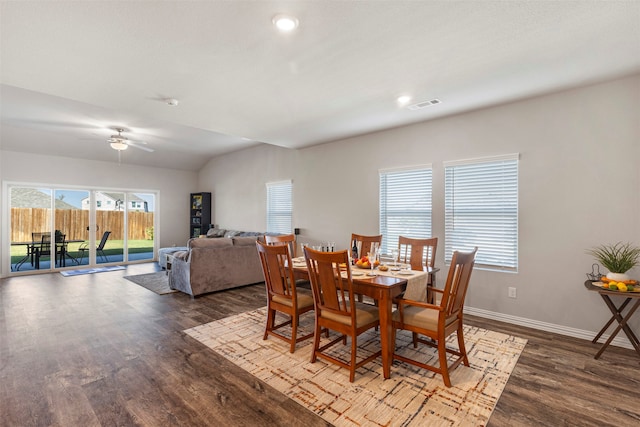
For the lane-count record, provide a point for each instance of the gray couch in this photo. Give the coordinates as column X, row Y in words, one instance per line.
column 214, row 264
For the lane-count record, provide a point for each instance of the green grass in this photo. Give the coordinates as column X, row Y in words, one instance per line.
column 113, row 247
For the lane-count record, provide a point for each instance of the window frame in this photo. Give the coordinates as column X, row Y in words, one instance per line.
column 389, row 233
column 482, row 217
column 273, row 189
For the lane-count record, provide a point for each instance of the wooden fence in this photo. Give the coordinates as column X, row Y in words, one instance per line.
column 74, row 222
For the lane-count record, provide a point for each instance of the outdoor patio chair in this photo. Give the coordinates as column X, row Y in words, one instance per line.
column 84, row 247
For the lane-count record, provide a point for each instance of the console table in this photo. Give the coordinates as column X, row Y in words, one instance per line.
column 617, row 315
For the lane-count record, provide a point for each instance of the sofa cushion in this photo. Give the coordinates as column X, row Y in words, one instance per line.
column 209, row 243
column 244, row 241
column 216, row 232
column 231, row 233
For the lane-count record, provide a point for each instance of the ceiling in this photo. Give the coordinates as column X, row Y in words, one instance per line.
column 72, row 72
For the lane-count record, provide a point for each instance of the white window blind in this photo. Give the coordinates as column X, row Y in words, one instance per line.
column 279, row 207
column 481, row 209
column 405, row 205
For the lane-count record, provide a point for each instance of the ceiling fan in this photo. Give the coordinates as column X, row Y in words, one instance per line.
column 119, row 142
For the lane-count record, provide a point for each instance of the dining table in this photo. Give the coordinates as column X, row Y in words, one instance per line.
column 383, row 287
column 61, row 252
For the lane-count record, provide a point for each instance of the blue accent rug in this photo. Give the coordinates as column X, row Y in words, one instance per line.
column 91, row 270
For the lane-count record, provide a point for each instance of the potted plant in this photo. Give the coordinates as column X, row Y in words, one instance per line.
column 618, row 259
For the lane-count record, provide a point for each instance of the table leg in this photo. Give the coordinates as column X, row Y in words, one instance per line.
column 384, row 308
column 622, row 323
column 431, row 281
column 609, row 303
column 22, row 261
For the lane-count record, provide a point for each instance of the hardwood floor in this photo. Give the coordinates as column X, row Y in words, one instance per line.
column 99, row 350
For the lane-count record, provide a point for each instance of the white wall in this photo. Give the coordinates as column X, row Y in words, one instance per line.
column 579, row 185
column 237, row 184
column 173, row 186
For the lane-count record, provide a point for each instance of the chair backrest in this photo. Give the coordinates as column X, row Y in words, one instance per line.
column 103, row 241
column 285, row 239
column 418, row 253
column 332, row 293
column 42, row 242
column 455, row 289
column 277, row 268
column 364, row 243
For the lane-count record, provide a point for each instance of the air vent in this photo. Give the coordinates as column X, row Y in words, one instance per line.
column 424, row 104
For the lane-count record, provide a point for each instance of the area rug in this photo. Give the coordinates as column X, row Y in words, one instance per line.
column 157, row 282
column 91, row 270
column 411, row 397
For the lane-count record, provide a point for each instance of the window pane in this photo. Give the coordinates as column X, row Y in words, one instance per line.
column 405, row 205
column 481, row 209
column 279, row 207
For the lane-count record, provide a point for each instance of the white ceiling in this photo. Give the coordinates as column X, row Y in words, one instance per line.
column 72, row 71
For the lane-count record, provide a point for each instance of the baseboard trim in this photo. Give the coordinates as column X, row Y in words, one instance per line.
column 619, row 341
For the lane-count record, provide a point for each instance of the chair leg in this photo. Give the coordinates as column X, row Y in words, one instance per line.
column 271, row 317
column 316, row 342
column 461, row 347
column 415, row 340
column 294, row 332
column 442, row 357
column 354, row 348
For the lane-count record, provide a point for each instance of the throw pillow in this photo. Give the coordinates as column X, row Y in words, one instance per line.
column 216, row 232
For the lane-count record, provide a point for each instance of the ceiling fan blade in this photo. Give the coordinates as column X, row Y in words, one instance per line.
column 141, row 147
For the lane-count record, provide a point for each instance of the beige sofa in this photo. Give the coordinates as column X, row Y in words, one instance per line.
column 216, row 264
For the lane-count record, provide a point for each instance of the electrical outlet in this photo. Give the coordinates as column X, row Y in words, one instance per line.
column 512, row 292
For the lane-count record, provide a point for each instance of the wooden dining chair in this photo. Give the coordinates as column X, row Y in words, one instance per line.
column 364, row 242
column 336, row 309
column 288, row 239
column 418, row 253
column 364, row 246
column 282, row 293
column 439, row 321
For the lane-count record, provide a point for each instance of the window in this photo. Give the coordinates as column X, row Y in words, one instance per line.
column 405, row 205
column 481, row 209
column 279, row 207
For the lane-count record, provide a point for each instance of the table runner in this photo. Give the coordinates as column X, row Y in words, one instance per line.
column 416, row 282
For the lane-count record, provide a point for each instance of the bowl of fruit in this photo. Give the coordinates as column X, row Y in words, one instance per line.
column 365, row 264
column 621, row 286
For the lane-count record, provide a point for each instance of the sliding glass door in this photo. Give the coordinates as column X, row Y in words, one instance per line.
column 58, row 228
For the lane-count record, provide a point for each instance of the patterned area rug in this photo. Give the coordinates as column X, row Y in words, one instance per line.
column 157, row 282
column 411, row 397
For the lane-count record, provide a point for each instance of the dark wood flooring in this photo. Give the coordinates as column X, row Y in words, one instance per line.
column 98, row 350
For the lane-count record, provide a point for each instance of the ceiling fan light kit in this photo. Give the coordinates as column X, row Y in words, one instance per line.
column 118, row 142
column 119, row 145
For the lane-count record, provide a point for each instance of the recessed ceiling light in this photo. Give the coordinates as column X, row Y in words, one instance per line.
column 404, row 99
column 285, row 23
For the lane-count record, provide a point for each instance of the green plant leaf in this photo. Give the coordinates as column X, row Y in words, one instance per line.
column 618, row 258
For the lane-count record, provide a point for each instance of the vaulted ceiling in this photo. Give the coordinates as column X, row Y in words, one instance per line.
column 72, row 72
